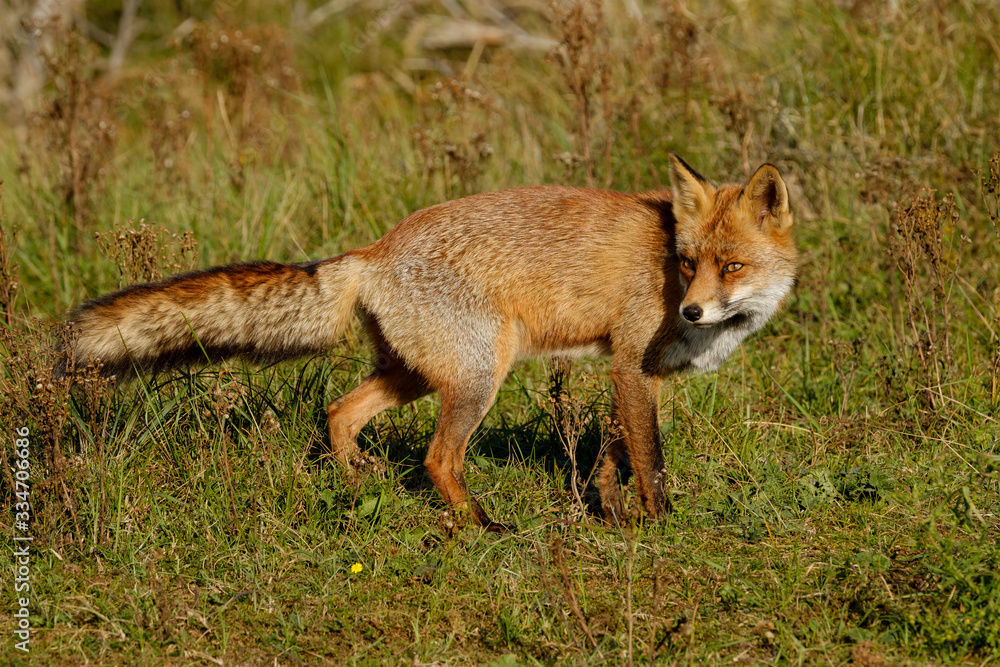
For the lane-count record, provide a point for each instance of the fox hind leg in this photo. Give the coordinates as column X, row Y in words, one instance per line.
column 391, row 385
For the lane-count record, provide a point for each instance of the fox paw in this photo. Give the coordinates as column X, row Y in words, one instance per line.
column 452, row 522
column 361, row 466
column 365, row 462
column 458, row 517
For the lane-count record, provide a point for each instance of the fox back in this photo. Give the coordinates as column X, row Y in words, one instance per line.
column 567, row 271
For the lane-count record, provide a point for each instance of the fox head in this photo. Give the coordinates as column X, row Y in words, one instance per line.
column 734, row 247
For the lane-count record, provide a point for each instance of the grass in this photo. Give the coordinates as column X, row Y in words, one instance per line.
column 836, row 484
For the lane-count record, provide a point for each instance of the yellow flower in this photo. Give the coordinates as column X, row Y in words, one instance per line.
column 357, row 567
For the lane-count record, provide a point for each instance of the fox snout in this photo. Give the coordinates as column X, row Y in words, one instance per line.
column 692, row 313
column 703, row 314
column 706, row 300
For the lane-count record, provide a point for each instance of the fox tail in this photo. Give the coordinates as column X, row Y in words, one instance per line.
column 260, row 311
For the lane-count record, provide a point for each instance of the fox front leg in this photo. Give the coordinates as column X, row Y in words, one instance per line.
column 462, row 410
column 634, row 412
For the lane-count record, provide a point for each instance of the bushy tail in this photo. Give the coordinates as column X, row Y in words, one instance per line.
column 260, row 311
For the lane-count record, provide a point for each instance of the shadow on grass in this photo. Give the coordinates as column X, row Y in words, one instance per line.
column 400, row 440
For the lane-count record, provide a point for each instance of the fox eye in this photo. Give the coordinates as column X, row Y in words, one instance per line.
column 732, row 267
column 687, row 264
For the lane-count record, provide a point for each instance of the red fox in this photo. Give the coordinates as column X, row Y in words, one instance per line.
column 457, row 293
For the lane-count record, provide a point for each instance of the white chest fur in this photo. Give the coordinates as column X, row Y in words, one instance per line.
column 703, row 350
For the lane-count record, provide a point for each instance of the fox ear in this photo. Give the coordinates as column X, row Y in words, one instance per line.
column 692, row 191
column 767, row 197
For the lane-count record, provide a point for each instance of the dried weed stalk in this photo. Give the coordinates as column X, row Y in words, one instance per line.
column 33, row 395
column 246, row 73
column 846, row 358
column 227, row 392
column 584, row 58
column 665, row 53
column 569, row 589
column 169, row 122
column 566, row 421
column 749, row 111
column 916, row 248
column 886, row 179
column 656, row 606
column 989, row 192
column 681, row 47
column 142, row 254
column 9, row 283
column 572, row 419
column 452, row 141
column 77, row 123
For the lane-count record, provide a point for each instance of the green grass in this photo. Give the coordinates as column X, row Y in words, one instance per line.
column 835, row 499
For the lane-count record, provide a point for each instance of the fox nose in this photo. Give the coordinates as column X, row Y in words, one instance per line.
column 692, row 313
